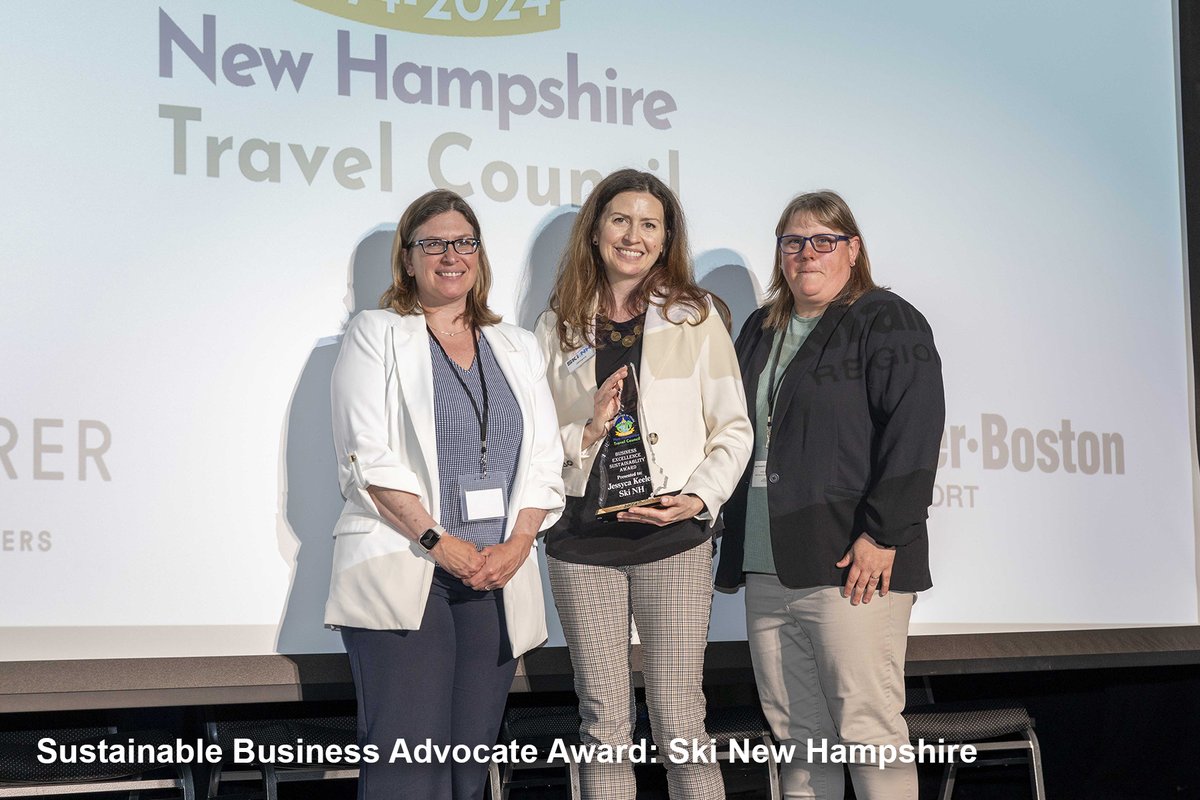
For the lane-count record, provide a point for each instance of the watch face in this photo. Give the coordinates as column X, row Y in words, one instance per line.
column 429, row 539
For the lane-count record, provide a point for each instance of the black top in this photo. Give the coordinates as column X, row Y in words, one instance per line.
column 579, row 537
column 854, row 444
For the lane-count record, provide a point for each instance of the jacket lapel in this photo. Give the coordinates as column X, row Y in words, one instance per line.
column 752, row 367
column 505, row 351
column 807, row 357
column 414, row 372
column 585, row 374
column 659, row 342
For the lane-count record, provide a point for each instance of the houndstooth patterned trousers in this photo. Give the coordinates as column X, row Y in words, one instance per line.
column 670, row 600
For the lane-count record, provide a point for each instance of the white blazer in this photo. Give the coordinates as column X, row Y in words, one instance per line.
column 383, row 431
column 692, row 405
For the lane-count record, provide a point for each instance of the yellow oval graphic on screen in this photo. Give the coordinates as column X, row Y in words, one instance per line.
column 448, row 17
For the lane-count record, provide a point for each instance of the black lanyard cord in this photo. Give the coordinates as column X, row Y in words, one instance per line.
column 772, row 387
column 482, row 419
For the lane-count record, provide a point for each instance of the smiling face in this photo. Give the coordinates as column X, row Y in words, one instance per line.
column 816, row 278
column 630, row 236
column 446, row 279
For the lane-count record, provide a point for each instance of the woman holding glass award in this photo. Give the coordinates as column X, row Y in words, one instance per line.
column 654, row 428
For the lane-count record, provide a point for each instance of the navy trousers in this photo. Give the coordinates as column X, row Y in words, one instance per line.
column 445, row 683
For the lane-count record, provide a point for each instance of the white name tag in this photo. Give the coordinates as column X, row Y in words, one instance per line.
column 482, row 496
column 580, row 357
column 758, row 476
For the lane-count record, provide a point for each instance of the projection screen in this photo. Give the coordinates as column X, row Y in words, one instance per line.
column 198, row 195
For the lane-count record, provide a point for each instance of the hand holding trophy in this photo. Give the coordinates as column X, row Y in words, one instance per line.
column 605, row 405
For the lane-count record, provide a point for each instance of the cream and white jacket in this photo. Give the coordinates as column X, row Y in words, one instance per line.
column 691, row 406
column 383, row 430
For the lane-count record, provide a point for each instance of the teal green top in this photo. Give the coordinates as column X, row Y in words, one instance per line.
column 757, row 556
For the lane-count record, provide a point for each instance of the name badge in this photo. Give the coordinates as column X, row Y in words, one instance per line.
column 580, row 357
column 482, row 497
column 758, row 476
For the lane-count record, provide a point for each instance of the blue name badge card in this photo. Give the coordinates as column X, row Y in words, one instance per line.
column 482, row 496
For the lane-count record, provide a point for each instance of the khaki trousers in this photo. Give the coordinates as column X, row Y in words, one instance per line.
column 831, row 673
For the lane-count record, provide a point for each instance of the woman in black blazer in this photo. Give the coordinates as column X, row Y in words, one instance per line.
column 827, row 527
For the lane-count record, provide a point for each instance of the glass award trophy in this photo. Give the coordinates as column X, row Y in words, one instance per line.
column 627, row 465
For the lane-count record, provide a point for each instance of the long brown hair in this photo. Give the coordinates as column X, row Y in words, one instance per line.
column 829, row 209
column 580, row 287
column 401, row 297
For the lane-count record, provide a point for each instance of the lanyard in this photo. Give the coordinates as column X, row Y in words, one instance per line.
column 482, row 419
column 772, row 387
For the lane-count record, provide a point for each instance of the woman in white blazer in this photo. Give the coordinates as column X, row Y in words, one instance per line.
column 450, row 464
column 625, row 294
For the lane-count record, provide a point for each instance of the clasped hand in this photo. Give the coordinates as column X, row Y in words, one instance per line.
column 482, row 570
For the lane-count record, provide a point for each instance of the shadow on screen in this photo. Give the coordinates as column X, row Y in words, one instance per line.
column 725, row 274
column 311, row 498
column 537, row 281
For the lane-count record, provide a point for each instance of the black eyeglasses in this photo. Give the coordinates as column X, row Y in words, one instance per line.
column 822, row 243
column 435, row 247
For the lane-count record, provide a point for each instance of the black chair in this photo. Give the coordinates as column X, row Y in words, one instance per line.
column 746, row 724
column 990, row 727
column 22, row 774
column 263, row 778
column 542, row 727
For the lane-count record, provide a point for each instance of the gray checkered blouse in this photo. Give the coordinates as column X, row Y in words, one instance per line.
column 457, row 430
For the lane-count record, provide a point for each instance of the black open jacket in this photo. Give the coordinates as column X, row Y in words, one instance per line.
column 854, row 446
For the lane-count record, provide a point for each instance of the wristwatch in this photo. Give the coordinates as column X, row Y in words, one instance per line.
column 429, row 539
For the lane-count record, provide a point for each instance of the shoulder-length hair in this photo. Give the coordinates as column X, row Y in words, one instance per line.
column 580, row 287
column 401, row 297
column 829, row 209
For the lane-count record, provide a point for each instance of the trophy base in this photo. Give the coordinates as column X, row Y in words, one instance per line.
column 609, row 513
